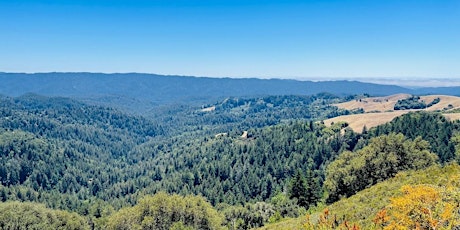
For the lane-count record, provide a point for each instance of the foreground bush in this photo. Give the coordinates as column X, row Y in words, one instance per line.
column 17, row 215
column 382, row 159
column 164, row 212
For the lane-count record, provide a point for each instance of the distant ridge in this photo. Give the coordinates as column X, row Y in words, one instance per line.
column 161, row 89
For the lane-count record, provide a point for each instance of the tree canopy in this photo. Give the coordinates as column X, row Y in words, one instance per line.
column 383, row 158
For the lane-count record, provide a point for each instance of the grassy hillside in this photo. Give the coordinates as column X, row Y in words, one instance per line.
column 387, row 103
column 380, row 110
column 370, row 104
column 363, row 207
column 358, row 121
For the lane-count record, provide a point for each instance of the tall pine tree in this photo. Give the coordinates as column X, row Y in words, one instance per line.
column 299, row 190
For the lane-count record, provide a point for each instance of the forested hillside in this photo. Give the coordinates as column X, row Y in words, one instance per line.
column 240, row 162
column 59, row 146
column 243, row 113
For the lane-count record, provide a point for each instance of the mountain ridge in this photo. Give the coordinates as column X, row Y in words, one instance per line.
column 173, row 88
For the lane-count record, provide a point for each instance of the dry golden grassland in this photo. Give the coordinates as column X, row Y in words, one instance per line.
column 379, row 110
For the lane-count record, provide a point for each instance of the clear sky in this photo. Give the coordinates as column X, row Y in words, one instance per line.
column 241, row 38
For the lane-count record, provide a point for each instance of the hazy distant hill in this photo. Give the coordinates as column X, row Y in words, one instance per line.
column 454, row 91
column 164, row 89
column 140, row 91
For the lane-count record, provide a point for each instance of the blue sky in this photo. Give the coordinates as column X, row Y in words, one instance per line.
column 283, row 39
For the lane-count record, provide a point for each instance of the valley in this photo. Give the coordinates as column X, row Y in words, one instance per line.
column 227, row 162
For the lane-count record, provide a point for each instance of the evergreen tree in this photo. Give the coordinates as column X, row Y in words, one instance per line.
column 314, row 190
column 299, row 190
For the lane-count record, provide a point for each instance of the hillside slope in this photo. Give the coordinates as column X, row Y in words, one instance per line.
column 363, row 207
